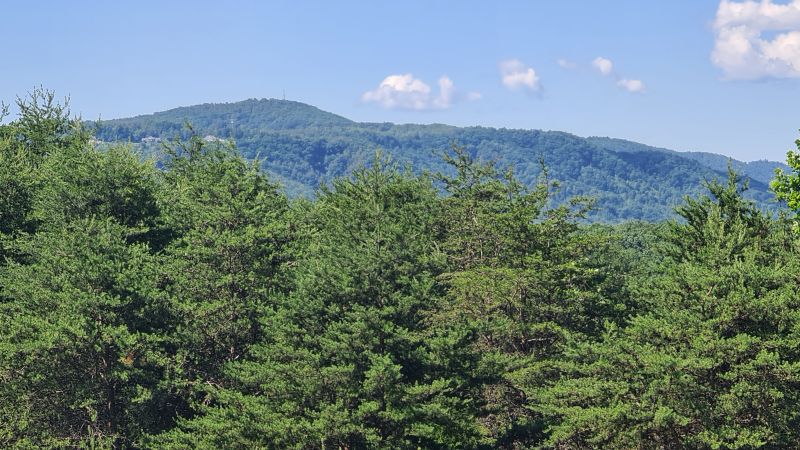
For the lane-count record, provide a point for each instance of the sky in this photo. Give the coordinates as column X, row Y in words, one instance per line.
column 699, row 75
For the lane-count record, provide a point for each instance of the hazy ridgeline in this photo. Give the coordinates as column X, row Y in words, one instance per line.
column 185, row 301
column 301, row 146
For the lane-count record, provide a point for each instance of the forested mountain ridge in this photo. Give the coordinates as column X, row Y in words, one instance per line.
column 762, row 170
column 303, row 147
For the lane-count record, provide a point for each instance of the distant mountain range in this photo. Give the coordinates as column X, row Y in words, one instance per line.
column 303, row 146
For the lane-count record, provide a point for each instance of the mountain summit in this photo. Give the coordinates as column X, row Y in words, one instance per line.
column 271, row 114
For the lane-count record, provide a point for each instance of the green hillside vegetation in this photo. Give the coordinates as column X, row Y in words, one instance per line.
column 188, row 302
column 303, row 147
column 762, row 170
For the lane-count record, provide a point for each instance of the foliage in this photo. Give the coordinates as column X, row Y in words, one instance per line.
column 347, row 360
column 787, row 185
column 521, row 280
column 223, row 263
column 80, row 358
column 713, row 362
column 181, row 300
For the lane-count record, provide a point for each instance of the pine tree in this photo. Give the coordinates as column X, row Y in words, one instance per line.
column 713, row 364
column 347, row 360
column 80, row 321
column 43, row 128
column 80, row 357
column 521, row 279
column 221, row 264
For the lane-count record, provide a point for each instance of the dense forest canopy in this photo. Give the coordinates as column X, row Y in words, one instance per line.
column 302, row 146
column 187, row 302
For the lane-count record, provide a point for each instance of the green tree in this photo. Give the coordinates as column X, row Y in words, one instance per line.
column 223, row 263
column 787, row 185
column 81, row 321
column 17, row 185
column 521, row 280
column 80, row 336
column 713, row 363
column 347, row 360
column 42, row 128
column 44, row 125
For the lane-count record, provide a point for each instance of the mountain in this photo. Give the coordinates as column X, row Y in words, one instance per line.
column 227, row 118
column 303, row 146
column 761, row 170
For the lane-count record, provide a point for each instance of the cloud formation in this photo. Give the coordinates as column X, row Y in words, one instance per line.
column 603, row 65
column 566, row 64
column 756, row 40
column 472, row 96
column 631, row 85
column 406, row 92
column 606, row 68
column 516, row 75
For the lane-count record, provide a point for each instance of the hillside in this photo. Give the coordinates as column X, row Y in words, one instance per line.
column 303, row 146
column 761, row 170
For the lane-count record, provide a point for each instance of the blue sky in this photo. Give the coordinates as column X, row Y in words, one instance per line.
column 684, row 74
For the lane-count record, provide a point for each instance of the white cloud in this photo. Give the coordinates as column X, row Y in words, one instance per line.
column 606, row 67
column 447, row 91
column 756, row 40
column 516, row 75
column 406, row 92
column 631, row 85
column 566, row 64
column 472, row 96
column 603, row 65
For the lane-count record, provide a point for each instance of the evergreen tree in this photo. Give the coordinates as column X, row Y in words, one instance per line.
column 80, row 352
column 713, row 364
column 80, row 334
column 222, row 263
column 347, row 360
column 521, row 281
column 43, row 128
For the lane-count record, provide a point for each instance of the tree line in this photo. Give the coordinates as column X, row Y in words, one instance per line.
column 188, row 303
